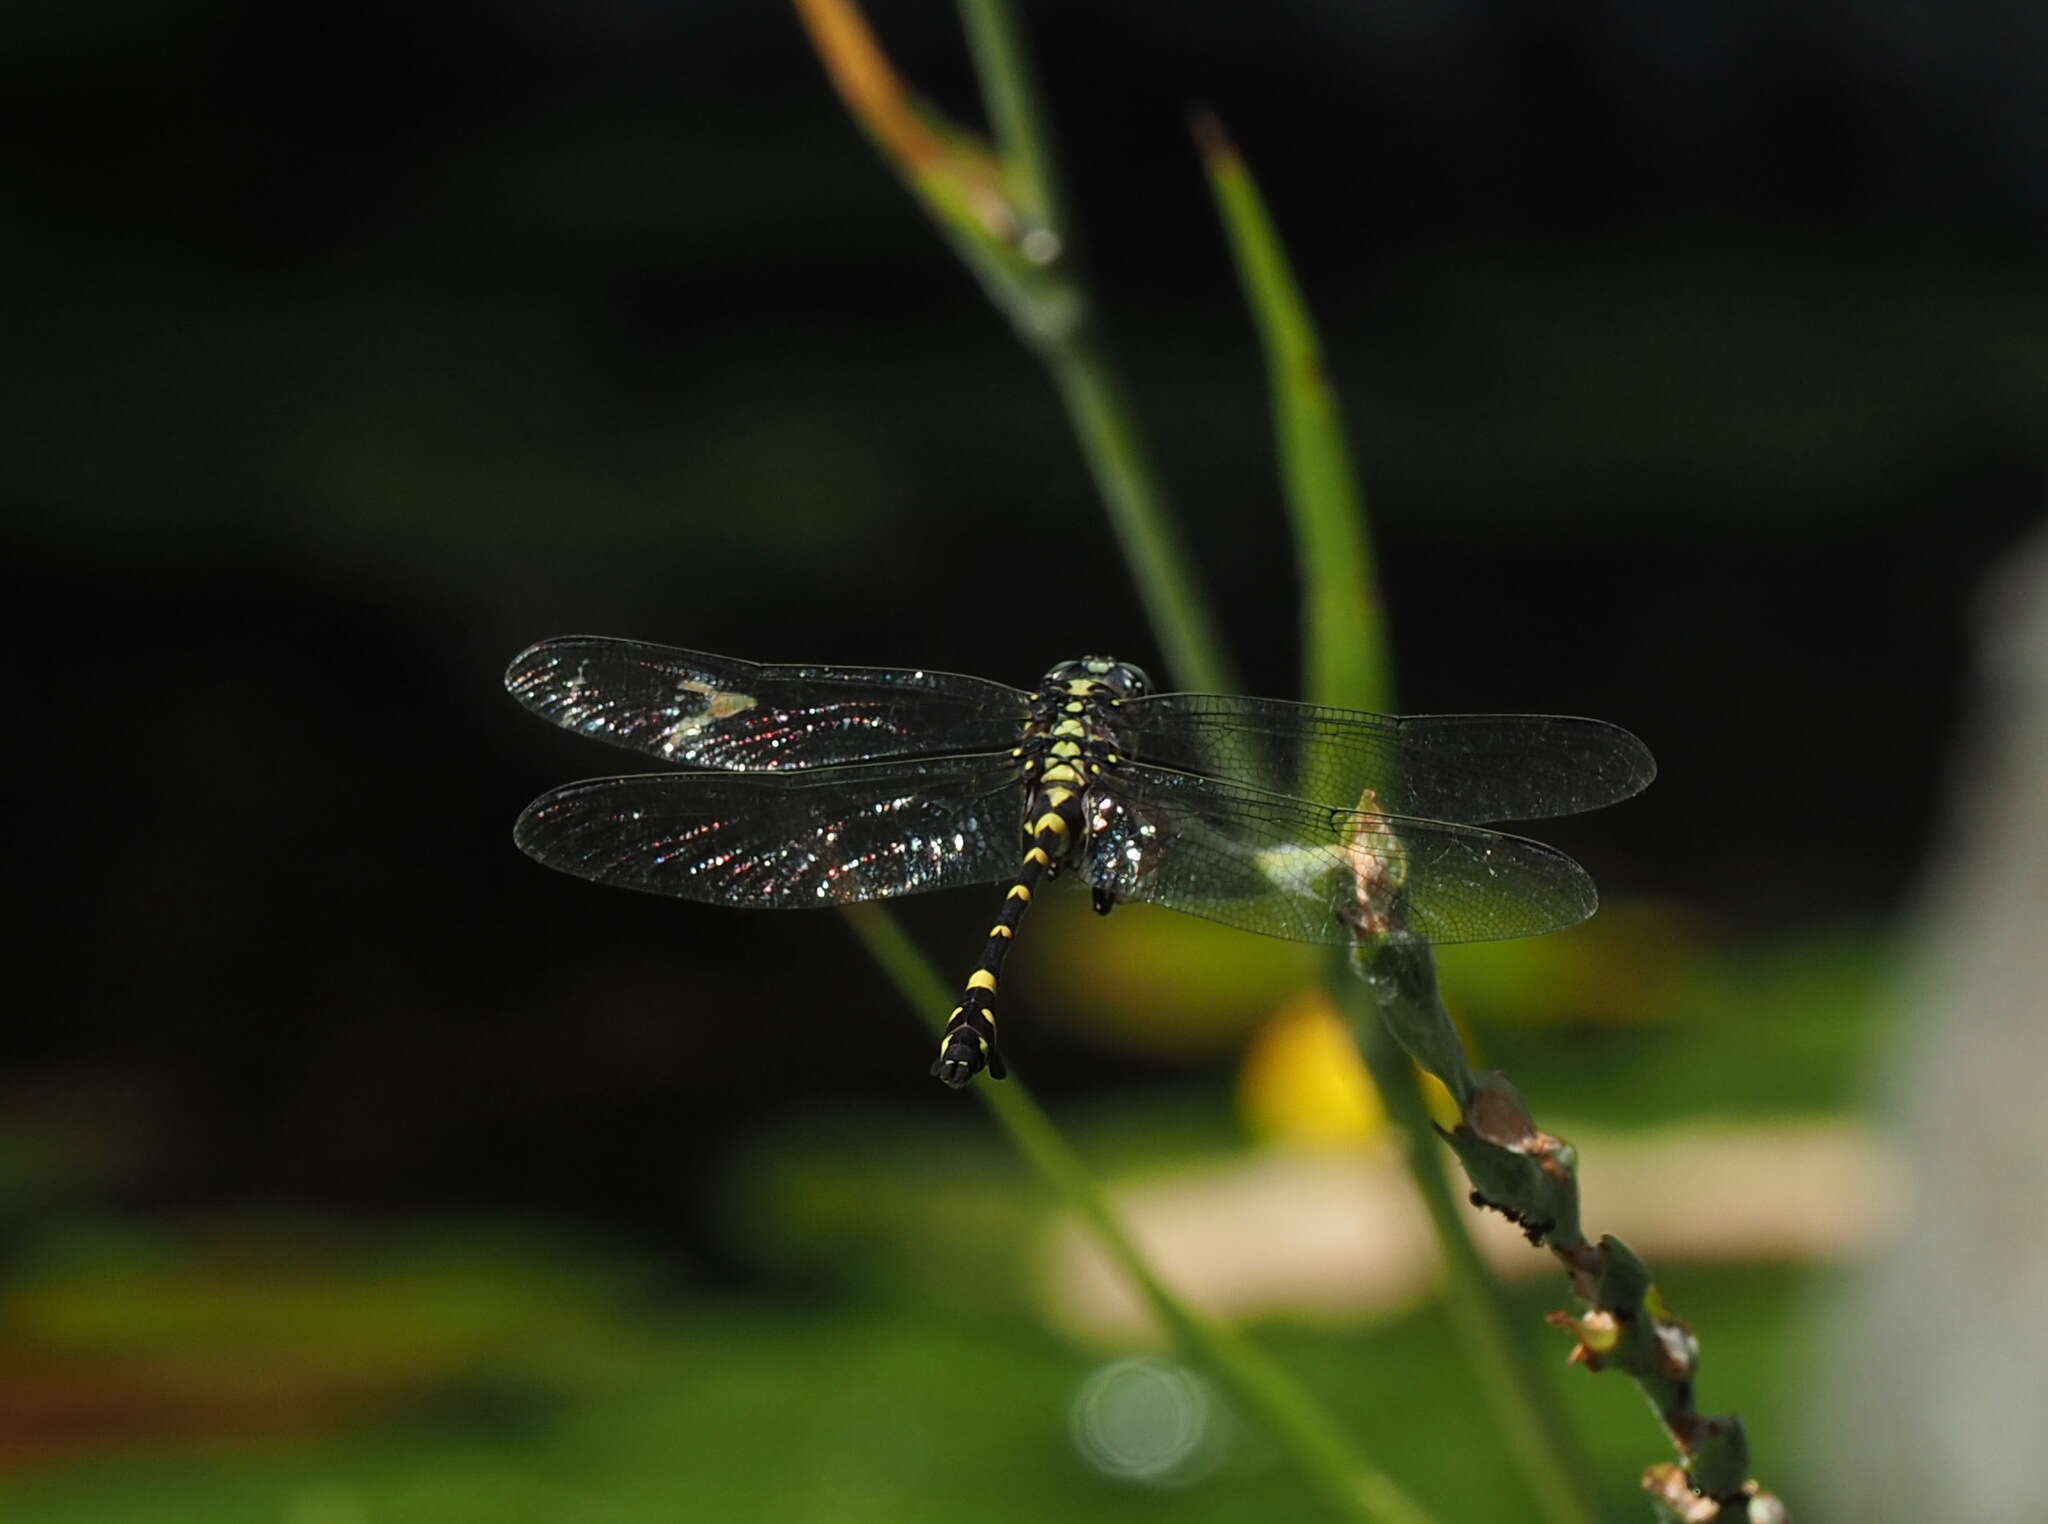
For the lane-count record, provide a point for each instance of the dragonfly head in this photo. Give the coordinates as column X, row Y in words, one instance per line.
column 1099, row 674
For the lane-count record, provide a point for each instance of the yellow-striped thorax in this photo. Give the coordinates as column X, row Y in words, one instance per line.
column 1069, row 740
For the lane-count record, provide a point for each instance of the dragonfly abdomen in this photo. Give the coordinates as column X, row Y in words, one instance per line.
column 1054, row 816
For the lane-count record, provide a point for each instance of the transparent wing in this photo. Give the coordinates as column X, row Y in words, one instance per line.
column 699, row 710
column 787, row 841
column 1290, row 868
column 1464, row 767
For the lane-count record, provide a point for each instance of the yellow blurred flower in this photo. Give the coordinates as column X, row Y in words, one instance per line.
column 1303, row 1084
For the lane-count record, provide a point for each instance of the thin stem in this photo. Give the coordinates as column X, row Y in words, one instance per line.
column 1031, row 279
column 1097, row 401
column 1344, row 627
column 1293, row 1417
column 1346, row 658
column 1545, row 1451
column 1022, row 142
column 1347, row 662
column 1117, row 458
column 1020, row 252
column 1531, row 1177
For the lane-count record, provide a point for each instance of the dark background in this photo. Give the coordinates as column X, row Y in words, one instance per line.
column 1696, row 357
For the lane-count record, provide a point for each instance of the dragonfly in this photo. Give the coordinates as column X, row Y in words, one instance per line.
column 805, row 786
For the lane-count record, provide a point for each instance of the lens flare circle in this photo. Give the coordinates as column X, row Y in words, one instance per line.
column 1149, row 1421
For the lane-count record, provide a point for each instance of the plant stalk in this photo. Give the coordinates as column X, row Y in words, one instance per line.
column 1347, row 662
column 1503, row 1367
column 1253, row 1379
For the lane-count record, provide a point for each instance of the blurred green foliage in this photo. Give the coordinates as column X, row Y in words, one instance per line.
column 889, row 1363
column 872, row 1410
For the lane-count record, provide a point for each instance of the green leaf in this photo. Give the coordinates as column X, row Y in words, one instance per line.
column 1347, row 662
column 1345, row 656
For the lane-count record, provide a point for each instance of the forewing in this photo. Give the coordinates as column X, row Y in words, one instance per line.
column 699, row 710
column 1461, row 767
column 1289, row 868
column 787, row 841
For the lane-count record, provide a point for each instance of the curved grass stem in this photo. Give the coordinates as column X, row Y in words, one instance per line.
column 1019, row 248
column 1259, row 1385
column 1022, row 141
column 999, row 207
column 1346, row 661
column 1122, row 468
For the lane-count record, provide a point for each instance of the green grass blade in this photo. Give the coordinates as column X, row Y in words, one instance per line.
column 1346, row 658
column 1120, row 462
column 1022, row 142
column 1018, row 251
column 1347, row 662
column 999, row 207
column 1260, row 1386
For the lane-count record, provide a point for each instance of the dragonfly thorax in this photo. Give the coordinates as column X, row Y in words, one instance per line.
column 1069, row 746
